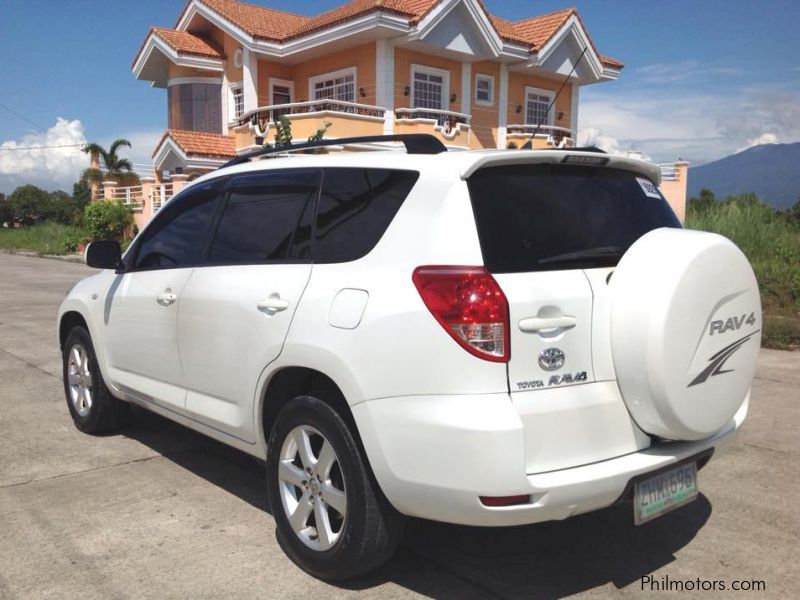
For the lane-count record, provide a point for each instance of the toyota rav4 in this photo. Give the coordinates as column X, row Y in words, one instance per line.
column 488, row 338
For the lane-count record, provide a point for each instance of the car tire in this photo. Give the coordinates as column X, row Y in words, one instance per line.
column 94, row 410
column 348, row 544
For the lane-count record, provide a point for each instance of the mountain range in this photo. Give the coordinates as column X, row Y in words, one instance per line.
column 771, row 171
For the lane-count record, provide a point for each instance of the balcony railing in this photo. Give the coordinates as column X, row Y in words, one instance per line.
column 160, row 194
column 669, row 172
column 558, row 137
column 132, row 196
column 264, row 115
column 443, row 118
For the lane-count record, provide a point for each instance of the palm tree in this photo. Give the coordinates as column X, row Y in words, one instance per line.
column 117, row 169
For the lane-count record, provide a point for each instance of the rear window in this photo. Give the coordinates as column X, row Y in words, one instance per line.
column 553, row 217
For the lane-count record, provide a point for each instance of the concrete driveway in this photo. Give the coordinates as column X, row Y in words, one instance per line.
column 161, row 512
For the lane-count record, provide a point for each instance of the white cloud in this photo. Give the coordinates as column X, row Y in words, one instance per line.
column 595, row 137
column 21, row 161
column 764, row 138
column 698, row 124
column 59, row 168
column 677, row 72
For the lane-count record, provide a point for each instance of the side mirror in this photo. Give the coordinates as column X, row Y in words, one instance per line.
column 103, row 255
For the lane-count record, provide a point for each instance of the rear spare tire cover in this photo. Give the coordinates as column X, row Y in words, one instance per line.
column 685, row 331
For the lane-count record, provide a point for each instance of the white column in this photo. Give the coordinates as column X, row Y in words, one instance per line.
column 384, row 82
column 466, row 86
column 573, row 111
column 249, row 80
column 502, row 106
column 226, row 91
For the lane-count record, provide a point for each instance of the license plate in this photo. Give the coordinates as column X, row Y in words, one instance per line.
column 657, row 495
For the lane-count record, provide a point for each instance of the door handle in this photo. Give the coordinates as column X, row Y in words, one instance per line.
column 166, row 298
column 535, row 324
column 272, row 304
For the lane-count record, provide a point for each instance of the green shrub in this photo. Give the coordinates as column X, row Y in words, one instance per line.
column 107, row 220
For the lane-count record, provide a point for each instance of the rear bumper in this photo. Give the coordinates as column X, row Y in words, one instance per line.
column 434, row 456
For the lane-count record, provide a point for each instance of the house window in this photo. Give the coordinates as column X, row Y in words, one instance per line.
column 429, row 89
column 237, row 97
column 537, row 103
column 340, row 85
column 194, row 106
column 484, row 89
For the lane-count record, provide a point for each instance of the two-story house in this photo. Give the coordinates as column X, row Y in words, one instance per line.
column 445, row 67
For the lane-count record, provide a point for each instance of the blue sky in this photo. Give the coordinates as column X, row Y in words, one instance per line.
column 703, row 79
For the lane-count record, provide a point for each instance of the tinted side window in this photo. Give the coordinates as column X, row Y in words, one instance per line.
column 355, row 209
column 266, row 218
column 176, row 237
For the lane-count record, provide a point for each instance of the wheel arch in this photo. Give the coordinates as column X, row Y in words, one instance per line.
column 70, row 319
column 292, row 381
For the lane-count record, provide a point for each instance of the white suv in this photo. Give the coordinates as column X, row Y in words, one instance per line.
column 487, row 338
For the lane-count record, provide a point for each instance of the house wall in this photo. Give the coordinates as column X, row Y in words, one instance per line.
column 361, row 57
column 485, row 118
column 267, row 69
column 675, row 191
column 229, row 47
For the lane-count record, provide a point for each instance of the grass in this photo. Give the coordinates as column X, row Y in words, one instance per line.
column 771, row 242
column 48, row 238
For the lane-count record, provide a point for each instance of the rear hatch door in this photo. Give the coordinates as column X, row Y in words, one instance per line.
column 551, row 234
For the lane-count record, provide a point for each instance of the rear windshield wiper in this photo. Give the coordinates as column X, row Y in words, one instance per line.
column 601, row 252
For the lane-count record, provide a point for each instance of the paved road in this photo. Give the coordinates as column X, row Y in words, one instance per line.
column 161, row 512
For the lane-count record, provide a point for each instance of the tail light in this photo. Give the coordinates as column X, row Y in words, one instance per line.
column 469, row 304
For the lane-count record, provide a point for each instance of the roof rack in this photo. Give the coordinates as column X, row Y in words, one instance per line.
column 415, row 143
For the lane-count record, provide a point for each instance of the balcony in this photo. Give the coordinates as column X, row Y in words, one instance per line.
column 547, row 136
column 452, row 128
column 350, row 119
column 346, row 119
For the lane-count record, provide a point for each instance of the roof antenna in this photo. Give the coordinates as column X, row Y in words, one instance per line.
column 529, row 144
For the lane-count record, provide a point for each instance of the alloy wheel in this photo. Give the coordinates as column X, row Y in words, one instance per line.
column 79, row 378
column 312, row 488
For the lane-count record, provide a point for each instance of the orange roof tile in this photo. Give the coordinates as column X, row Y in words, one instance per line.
column 414, row 9
column 538, row 30
column 507, row 30
column 276, row 25
column 258, row 21
column 198, row 143
column 611, row 62
column 187, row 43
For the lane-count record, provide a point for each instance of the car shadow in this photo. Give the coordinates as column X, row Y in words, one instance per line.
column 546, row 560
